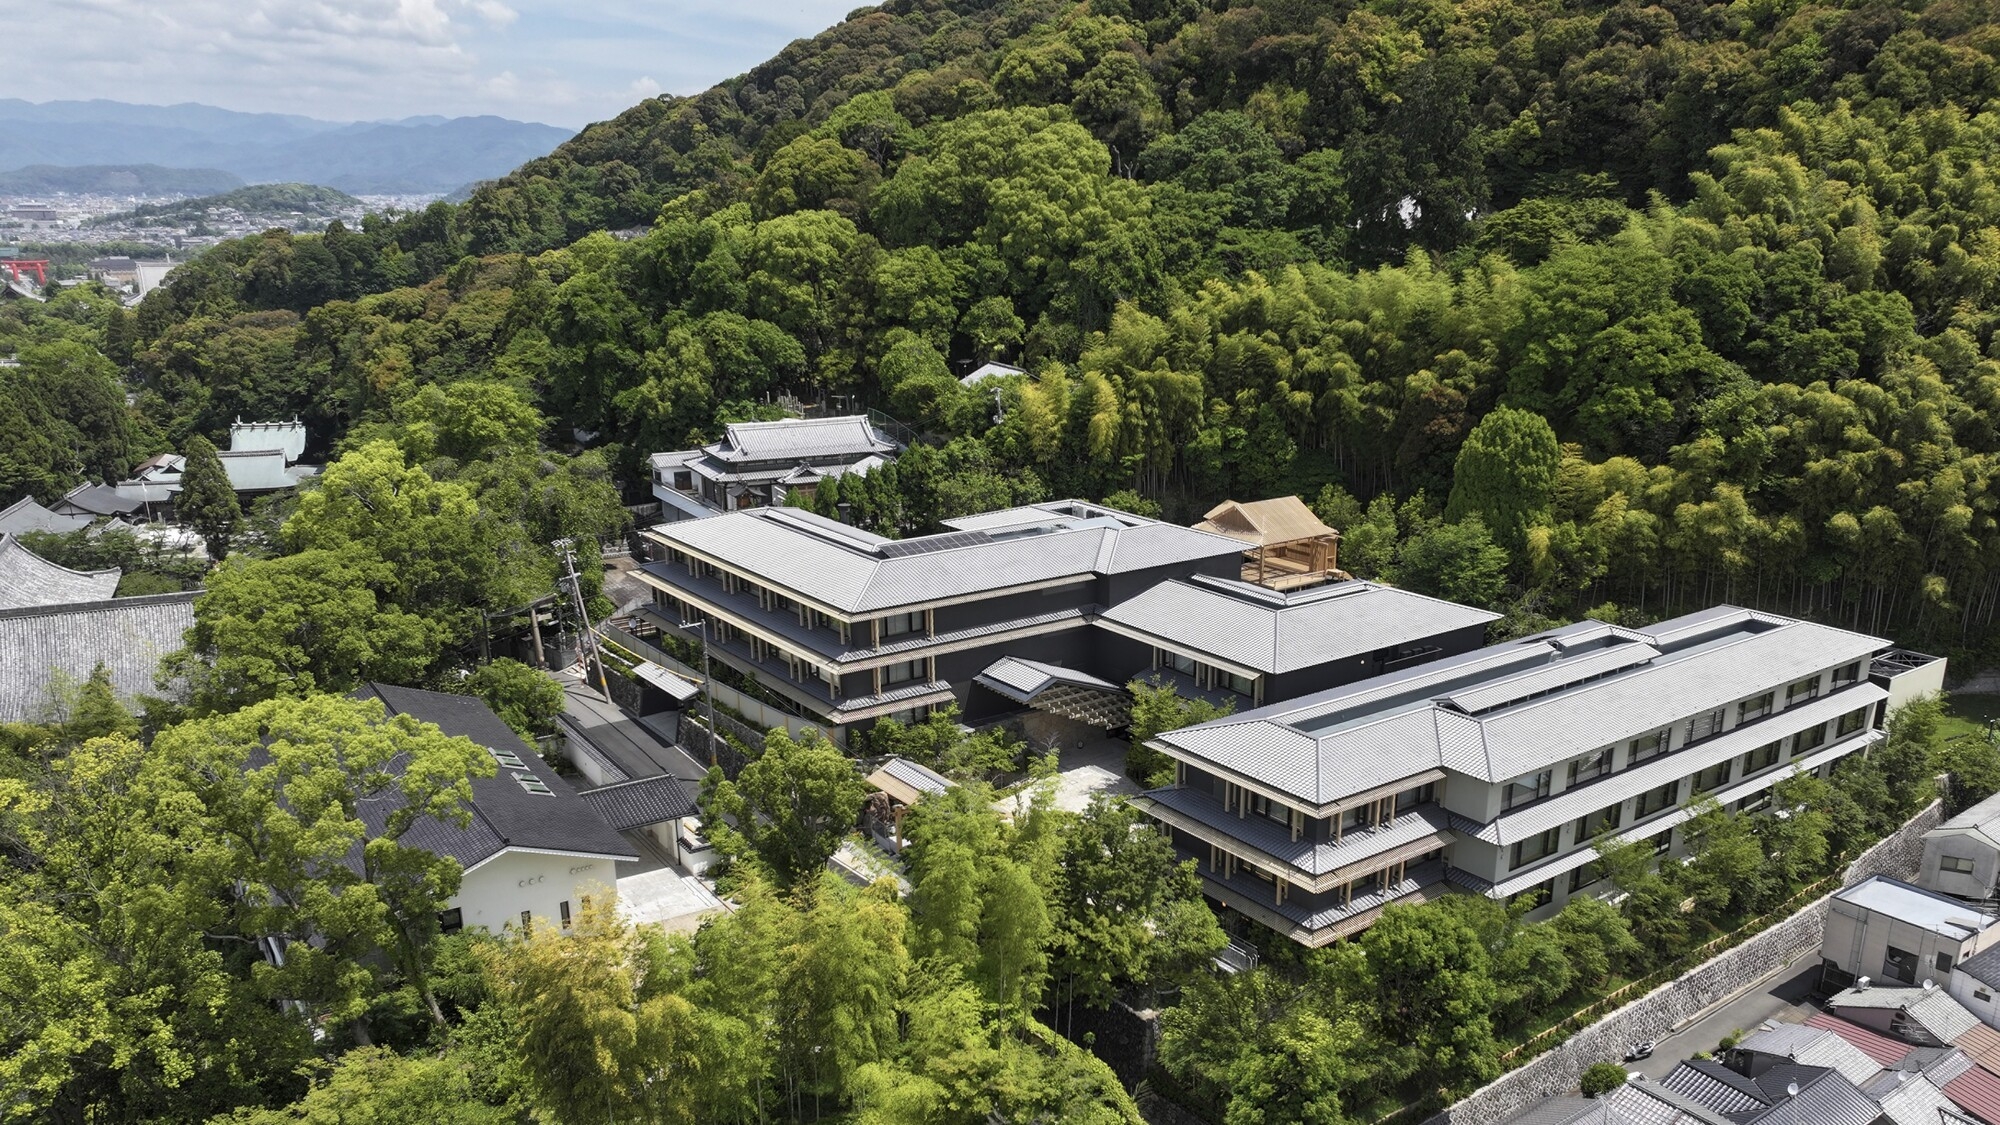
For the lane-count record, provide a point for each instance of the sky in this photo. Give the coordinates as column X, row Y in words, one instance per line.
column 562, row 63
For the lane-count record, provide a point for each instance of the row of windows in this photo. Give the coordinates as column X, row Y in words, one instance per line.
column 1534, row 786
column 894, row 625
column 1205, row 675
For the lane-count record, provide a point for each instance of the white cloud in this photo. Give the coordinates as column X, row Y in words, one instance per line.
column 538, row 60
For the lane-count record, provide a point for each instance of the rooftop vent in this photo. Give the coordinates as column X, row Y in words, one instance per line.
column 534, row 785
column 507, row 758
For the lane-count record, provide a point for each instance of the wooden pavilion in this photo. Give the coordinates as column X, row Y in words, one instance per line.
column 1286, row 547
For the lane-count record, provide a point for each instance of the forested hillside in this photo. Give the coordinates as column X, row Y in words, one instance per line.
column 1557, row 308
column 1741, row 257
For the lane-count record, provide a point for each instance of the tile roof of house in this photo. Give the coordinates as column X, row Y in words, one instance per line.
column 28, row 579
column 506, row 811
column 853, row 571
column 1263, row 630
column 1982, row 1044
column 26, row 515
column 1981, row 820
column 1563, row 1111
column 1909, row 1098
column 99, row 500
column 288, row 438
column 1716, row 1086
column 641, row 802
column 1884, row 1050
column 1977, row 1091
column 127, row 635
column 1813, row 1046
column 1649, row 1103
column 1538, row 701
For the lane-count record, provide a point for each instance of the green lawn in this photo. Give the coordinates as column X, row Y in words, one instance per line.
column 1967, row 714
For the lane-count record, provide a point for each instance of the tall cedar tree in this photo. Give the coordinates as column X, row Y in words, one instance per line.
column 207, row 503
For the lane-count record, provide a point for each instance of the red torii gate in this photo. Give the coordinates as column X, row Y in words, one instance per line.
column 16, row 267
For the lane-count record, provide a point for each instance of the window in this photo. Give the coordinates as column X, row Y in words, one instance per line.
column 1357, row 818
column 1537, row 847
column 1900, row 965
column 1589, row 827
column 1528, row 787
column 1241, row 685
column 1663, row 842
column 1847, row 673
column 1650, row 746
column 898, row 624
column 1410, row 798
column 533, row 785
column 1653, row 800
column 1535, row 896
column 563, row 909
column 908, row 671
column 1807, row 739
column 1981, row 994
column 1756, row 802
column 451, row 921
column 1807, row 688
column 1590, row 767
column 1944, row 962
column 1762, row 758
column 1850, row 722
column 1703, row 725
column 1712, row 777
column 1755, row 708
column 1265, row 807
column 1584, row 876
column 1957, row 864
column 1185, row 665
column 683, row 481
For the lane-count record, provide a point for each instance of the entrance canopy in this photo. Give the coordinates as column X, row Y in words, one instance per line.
column 1058, row 691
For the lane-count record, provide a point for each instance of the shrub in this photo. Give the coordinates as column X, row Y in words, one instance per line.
column 1602, row 1078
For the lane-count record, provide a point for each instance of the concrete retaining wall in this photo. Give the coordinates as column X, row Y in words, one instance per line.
column 1681, row 1000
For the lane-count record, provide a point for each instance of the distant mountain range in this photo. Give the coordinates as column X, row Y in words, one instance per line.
column 117, row 179
column 416, row 154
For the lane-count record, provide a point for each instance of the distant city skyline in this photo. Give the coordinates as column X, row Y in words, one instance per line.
column 364, row 60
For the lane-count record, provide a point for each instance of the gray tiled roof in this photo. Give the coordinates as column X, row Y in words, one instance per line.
column 800, row 439
column 1982, row 820
column 1649, row 1103
column 1560, row 1111
column 640, row 803
column 1715, row 1086
column 1814, row 1046
column 127, row 635
column 504, row 813
column 916, row 775
column 1261, row 630
column 26, row 515
column 1022, row 680
column 28, row 579
column 100, row 500
column 288, row 438
column 824, row 561
column 1910, row 1099
column 1321, row 747
column 1983, row 966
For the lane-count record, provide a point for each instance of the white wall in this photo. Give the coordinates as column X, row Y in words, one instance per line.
column 1964, row 990
column 1857, row 940
column 494, row 894
column 1961, row 845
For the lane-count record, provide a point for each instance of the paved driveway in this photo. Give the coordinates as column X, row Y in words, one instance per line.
column 1780, row 996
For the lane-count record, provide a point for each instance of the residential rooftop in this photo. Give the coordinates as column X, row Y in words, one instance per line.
column 1981, row 820
column 1925, row 909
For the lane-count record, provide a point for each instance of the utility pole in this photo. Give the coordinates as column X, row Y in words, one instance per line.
column 591, row 650
column 707, row 684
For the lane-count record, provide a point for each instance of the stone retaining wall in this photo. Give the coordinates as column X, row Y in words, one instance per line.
column 1679, row 1001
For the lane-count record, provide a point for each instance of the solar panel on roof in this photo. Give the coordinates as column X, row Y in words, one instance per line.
column 946, row 541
